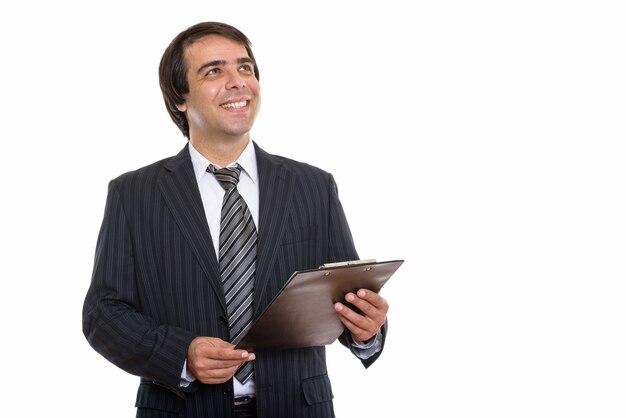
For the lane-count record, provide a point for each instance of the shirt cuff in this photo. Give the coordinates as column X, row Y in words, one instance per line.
column 186, row 377
column 367, row 349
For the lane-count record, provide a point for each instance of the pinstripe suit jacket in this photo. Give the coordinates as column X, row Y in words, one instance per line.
column 156, row 284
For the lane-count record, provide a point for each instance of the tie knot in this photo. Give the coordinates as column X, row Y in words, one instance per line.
column 228, row 177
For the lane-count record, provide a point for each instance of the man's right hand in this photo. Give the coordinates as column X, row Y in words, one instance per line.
column 212, row 360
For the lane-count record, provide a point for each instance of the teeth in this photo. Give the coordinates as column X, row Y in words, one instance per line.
column 236, row 105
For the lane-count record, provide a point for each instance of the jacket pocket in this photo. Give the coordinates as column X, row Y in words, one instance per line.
column 298, row 250
column 151, row 396
column 298, row 234
column 317, row 389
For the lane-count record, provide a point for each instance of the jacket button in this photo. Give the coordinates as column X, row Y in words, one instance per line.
column 227, row 391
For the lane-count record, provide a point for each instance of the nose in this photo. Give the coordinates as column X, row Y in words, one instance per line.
column 235, row 81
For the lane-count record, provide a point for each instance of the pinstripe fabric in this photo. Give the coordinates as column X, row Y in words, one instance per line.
column 156, row 284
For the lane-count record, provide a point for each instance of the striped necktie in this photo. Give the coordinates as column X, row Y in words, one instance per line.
column 238, row 241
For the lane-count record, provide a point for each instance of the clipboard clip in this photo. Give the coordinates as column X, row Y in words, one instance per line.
column 347, row 263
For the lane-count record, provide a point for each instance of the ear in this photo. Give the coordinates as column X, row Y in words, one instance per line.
column 182, row 107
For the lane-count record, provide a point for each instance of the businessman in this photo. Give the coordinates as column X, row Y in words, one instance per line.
column 193, row 247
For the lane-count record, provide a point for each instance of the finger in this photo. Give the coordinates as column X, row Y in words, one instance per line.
column 229, row 355
column 209, row 363
column 377, row 313
column 373, row 298
column 212, row 371
column 365, row 308
column 357, row 331
column 344, row 311
column 220, row 350
column 212, row 353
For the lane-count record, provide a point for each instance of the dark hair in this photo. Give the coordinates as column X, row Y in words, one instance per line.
column 173, row 69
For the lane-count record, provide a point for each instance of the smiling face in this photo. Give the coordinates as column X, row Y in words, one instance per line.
column 224, row 94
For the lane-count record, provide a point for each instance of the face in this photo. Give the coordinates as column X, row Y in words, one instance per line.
column 224, row 95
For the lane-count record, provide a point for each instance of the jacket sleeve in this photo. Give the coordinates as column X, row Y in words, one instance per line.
column 112, row 321
column 341, row 248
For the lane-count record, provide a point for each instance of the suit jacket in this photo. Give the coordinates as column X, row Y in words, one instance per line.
column 156, row 284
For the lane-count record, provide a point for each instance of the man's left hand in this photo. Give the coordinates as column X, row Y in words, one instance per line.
column 373, row 314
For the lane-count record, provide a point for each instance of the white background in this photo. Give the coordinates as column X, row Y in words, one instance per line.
column 482, row 142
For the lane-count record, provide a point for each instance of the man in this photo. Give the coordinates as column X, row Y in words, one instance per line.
column 160, row 304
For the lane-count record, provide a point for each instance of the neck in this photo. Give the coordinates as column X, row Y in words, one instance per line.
column 221, row 153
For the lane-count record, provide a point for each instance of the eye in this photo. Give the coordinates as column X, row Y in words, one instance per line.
column 213, row 71
column 246, row 68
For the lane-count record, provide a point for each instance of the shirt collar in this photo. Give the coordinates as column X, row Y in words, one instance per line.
column 247, row 161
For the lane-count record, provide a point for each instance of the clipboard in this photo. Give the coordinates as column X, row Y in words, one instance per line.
column 302, row 313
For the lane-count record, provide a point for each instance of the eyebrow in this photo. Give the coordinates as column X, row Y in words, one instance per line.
column 215, row 63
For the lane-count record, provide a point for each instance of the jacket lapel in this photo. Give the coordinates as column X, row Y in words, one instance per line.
column 276, row 185
column 180, row 191
column 179, row 188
